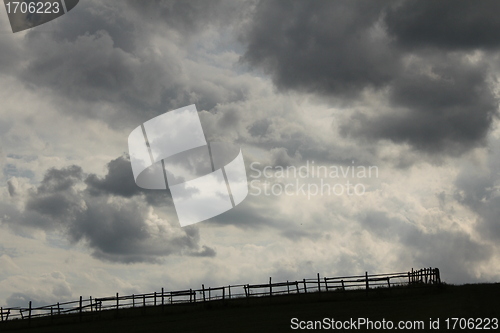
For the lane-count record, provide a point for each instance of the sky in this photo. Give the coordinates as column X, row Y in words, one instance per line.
column 408, row 90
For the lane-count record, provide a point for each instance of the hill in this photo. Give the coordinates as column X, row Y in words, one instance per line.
column 414, row 305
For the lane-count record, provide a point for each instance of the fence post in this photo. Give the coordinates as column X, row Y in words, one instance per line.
column 297, row 286
column 203, row 288
column 133, row 300
column 155, row 299
column 270, row 287
column 144, row 300
column 319, row 284
column 81, row 307
column 389, row 282
column 367, row 284
column 1, row 312
column 287, row 286
column 190, row 295
column 343, row 286
column 229, row 290
column 209, row 293
column 58, row 309
column 438, row 276
column 29, row 314
column 409, row 279
column 305, row 286
column 162, row 297
column 90, row 303
column 326, row 284
column 223, row 293
column 117, row 301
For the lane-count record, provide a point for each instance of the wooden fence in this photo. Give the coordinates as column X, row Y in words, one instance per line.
column 164, row 298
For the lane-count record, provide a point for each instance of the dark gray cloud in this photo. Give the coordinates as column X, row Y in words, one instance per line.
column 259, row 128
column 55, row 196
column 92, row 69
column 12, row 54
column 90, row 18
column 438, row 100
column 120, row 181
column 11, row 188
column 320, row 46
column 118, row 233
column 107, row 215
column 103, row 60
column 448, row 24
column 191, row 16
column 59, row 180
column 448, row 110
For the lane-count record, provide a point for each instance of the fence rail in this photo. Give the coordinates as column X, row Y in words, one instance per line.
column 367, row 281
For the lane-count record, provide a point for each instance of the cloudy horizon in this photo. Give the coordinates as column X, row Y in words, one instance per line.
column 408, row 87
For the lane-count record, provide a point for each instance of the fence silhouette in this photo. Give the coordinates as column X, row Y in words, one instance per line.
column 164, row 298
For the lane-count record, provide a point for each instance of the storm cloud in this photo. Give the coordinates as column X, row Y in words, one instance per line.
column 408, row 87
column 117, row 224
column 433, row 96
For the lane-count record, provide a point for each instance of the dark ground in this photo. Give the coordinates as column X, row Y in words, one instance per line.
column 274, row 314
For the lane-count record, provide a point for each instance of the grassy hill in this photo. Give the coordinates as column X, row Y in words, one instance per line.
column 274, row 314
